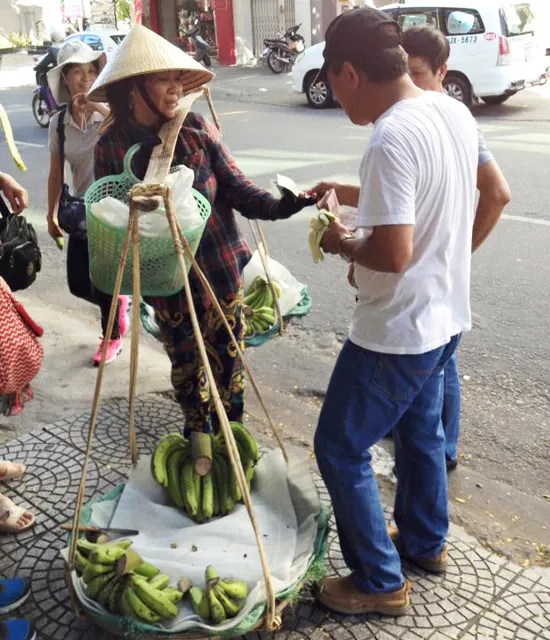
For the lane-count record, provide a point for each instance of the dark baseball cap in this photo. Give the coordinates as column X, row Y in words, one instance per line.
column 358, row 34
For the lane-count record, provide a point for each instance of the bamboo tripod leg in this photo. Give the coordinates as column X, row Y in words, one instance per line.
column 234, row 456
column 97, row 392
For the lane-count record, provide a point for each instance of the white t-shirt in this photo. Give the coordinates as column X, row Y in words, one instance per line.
column 419, row 169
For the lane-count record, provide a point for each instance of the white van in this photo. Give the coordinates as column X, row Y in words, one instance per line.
column 497, row 48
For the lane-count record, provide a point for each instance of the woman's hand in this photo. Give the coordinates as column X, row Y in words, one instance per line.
column 54, row 229
column 81, row 105
column 14, row 192
column 289, row 205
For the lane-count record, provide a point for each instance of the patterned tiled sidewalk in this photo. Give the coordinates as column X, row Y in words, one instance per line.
column 480, row 596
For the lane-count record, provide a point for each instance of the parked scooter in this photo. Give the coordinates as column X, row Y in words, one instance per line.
column 202, row 48
column 43, row 102
column 281, row 53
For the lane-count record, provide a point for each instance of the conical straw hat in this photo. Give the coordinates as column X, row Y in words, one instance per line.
column 141, row 52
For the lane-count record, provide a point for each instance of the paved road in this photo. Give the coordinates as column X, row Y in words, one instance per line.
column 505, row 360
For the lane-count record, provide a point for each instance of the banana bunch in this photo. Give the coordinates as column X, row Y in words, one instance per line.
column 259, row 314
column 220, row 600
column 117, row 578
column 197, row 474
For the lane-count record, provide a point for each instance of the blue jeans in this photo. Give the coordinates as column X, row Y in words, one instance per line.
column 451, row 409
column 370, row 394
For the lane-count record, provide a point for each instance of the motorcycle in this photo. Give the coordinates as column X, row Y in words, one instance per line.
column 202, row 48
column 43, row 102
column 281, row 53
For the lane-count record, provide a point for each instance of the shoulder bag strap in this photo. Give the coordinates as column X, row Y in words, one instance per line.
column 61, row 137
column 4, row 210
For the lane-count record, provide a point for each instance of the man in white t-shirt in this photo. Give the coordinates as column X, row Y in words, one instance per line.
column 412, row 254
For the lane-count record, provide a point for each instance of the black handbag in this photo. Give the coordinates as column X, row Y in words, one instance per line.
column 71, row 211
column 20, row 255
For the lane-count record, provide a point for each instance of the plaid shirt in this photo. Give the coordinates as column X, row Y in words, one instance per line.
column 223, row 251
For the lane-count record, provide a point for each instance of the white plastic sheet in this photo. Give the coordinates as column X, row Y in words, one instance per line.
column 291, row 288
column 286, row 505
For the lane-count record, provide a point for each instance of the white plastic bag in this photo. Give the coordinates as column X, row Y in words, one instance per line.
column 291, row 288
column 155, row 223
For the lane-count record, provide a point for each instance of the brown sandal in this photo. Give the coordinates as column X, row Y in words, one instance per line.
column 11, row 515
column 13, row 470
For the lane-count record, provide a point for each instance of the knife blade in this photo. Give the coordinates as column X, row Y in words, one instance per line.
column 89, row 529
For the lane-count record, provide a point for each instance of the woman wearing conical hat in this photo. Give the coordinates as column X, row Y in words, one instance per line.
column 143, row 83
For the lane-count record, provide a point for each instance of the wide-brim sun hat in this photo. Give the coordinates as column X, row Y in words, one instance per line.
column 143, row 52
column 73, row 52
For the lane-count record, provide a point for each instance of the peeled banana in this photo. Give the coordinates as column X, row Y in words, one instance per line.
column 8, row 134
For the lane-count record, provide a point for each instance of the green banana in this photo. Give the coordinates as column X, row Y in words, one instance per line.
column 105, row 593
column 198, row 491
column 96, row 585
column 139, row 608
column 249, row 472
column 113, row 602
column 123, row 604
column 94, row 570
column 164, row 448
column 199, row 602
column 236, row 589
column 154, row 599
column 234, row 488
column 174, row 594
column 160, row 582
column 222, row 470
column 207, row 496
column 123, row 544
column 146, row 570
column 188, row 490
column 245, row 439
column 173, row 471
column 210, row 574
column 220, row 486
column 85, row 547
column 106, row 554
column 215, row 493
column 80, row 563
column 251, row 299
column 217, row 612
column 230, row 607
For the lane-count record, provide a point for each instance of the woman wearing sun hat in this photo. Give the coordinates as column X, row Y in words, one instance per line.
column 73, row 133
column 143, row 84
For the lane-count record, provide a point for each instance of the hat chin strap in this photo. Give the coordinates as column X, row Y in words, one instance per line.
column 140, row 84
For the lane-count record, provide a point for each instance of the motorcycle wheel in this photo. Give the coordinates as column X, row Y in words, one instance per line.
column 40, row 111
column 276, row 65
column 206, row 60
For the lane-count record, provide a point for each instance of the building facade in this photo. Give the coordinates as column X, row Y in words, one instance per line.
column 34, row 19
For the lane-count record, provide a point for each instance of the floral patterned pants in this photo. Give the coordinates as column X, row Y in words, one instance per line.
column 188, row 373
